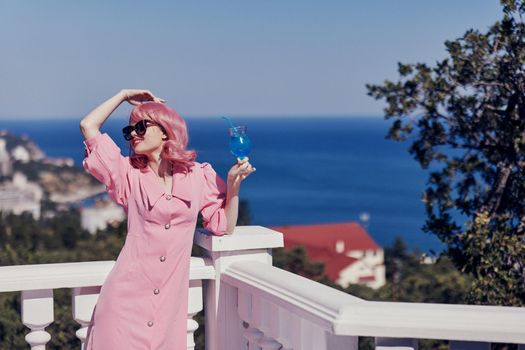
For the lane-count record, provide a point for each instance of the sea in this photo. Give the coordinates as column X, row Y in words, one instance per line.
column 310, row 170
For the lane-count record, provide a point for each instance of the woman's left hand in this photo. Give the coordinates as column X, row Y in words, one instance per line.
column 240, row 171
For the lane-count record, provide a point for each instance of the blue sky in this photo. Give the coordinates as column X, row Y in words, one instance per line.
column 60, row 58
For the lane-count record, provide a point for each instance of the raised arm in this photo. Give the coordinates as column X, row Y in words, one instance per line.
column 91, row 123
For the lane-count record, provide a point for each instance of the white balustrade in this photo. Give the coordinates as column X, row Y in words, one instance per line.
column 434, row 321
column 84, row 300
column 331, row 319
column 253, row 335
column 311, row 310
column 224, row 328
column 194, row 306
column 283, row 329
column 37, row 314
column 37, row 282
column 252, row 305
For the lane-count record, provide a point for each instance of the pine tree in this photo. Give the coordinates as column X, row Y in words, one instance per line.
column 465, row 117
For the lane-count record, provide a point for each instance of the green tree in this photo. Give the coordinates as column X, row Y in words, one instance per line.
column 465, row 117
column 295, row 260
column 411, row 280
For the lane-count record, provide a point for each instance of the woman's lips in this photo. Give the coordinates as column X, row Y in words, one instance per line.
column 135, row 142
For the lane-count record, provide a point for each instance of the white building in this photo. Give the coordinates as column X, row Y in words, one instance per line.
column 349, row 253
column 104, row 213
column 19, row 196
column 21, row 154
column 5, row 161
column 61, row 162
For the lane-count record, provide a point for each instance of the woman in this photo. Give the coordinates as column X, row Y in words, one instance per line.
column 143, row 302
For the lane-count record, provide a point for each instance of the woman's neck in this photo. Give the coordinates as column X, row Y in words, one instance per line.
column 161, row 167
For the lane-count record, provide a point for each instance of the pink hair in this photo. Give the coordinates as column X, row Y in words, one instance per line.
column 174, row 126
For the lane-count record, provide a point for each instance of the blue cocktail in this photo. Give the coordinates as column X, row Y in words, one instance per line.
column 240, row 144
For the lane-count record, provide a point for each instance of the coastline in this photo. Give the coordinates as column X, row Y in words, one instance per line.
column 310, row 171
column 81, row 195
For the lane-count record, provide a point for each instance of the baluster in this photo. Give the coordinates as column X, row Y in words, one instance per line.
column 295, row 333
column 267, row 318
column 312, row 337
column 244, row 305
column 192, row 327
column 284, row 326
column 268, row 343
column 37, row 314
column 397, row 343
column 250, row 311
column 194, row 306
column 253, row 335
column 345, row 342
column 244, row 309
column 468, row 345
column 84, row 300
column 262, row 312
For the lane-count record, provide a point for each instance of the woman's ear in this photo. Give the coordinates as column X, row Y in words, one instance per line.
column 164, row 137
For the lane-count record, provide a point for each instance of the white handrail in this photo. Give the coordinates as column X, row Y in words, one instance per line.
column 434, row 321
column 72, row 275
column 342, row 314
column 318, row 303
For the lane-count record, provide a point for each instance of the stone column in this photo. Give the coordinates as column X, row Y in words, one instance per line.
column 224, row 329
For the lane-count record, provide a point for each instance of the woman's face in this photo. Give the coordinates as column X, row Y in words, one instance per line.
column 150, row 142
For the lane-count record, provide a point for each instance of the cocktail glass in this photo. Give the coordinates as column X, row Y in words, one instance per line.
column 240, row 144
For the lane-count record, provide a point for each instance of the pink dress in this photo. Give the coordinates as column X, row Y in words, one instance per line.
column 143, row 303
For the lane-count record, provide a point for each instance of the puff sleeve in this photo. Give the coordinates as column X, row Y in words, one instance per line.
column 213, row 201
column 104, row 161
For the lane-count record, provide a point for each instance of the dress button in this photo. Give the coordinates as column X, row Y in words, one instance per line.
column 150, row 323
column 167, row 226
column 156, row 291
column 162, row 258
column 168, row 196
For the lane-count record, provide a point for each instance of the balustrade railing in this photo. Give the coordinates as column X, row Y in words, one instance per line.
column 269, row 308
column 286, row 311
column 250, row 304
column 37, row 283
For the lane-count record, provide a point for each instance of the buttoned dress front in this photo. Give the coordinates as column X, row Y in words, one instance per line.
column 143, row 302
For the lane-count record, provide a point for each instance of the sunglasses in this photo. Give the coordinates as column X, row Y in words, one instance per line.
column 139, row 128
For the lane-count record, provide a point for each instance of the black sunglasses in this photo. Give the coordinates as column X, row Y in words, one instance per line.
column 140, row 128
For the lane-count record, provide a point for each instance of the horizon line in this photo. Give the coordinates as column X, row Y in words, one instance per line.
column 200, row 116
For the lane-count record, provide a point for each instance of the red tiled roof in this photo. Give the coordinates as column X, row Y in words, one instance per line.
column 334, row 263
column 333, row 267
column 320, row 243
column 353, row 234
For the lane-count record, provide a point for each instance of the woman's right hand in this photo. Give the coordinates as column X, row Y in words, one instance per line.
column 136, row 97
